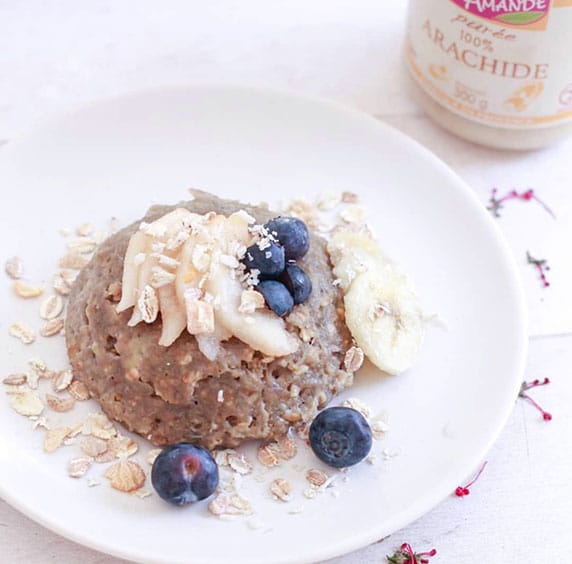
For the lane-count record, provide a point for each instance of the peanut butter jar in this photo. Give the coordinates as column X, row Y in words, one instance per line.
column 495, row 72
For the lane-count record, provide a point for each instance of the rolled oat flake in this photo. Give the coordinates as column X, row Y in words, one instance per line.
column 496, row 72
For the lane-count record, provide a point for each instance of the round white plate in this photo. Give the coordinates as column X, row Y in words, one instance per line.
column 118, row 156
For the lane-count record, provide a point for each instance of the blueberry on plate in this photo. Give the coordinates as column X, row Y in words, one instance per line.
column 292, row 234
column 297, row 282
column 269, row 261
column 276, row 296
column 340, row 436
column 184, row 473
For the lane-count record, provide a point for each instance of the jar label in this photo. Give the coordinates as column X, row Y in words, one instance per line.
column 500, row 62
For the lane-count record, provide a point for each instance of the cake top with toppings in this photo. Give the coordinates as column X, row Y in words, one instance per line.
column 217, row 276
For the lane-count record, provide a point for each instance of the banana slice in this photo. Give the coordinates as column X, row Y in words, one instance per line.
column 173, row 318
column 384, row 317
column 353, row 251
column 143, row 278
column 265, row 332
column 381, row 308
column 137, row 245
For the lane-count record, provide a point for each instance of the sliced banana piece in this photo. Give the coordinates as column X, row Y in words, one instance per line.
column 381, row 308
column 384, row 317
column 210, row 345
column 353, row 251
column 173, row 318
column 170, row 224
column 262, row 330
column 137, row 246
column 143, row 279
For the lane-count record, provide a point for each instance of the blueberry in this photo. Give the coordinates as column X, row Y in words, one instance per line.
column 340, row 436
column 297, row 282
column 292, row 234
column 184, row 473
column 269, row 261
column 277, row 296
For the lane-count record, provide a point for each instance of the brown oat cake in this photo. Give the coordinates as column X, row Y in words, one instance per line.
column 170, row 394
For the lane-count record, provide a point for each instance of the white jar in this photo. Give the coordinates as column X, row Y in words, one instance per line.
column 496, row 72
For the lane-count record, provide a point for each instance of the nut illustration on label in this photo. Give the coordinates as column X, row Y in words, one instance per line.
column 524, row 96
column 439, row 72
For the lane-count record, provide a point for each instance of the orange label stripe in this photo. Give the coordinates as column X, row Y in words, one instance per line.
column 499, row 119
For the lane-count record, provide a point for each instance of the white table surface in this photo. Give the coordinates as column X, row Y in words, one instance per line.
column 59, row 55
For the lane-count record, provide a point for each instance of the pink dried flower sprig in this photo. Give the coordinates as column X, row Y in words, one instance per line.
column 496, row 204
column 405, row 555
column 541, row 266
column 525, row 386
column 462, row 491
